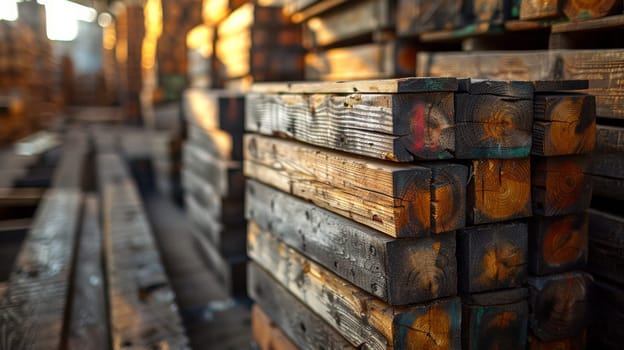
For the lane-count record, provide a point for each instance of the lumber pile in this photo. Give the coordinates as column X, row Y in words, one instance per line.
column 256, row 42
column 348, row 40
column 395, row 213
column 200, row 56
column 213, row 182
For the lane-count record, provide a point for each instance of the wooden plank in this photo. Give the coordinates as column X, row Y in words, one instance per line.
column 606, row 245
column 557, row 244
column 393, row 199
column 399, row 127
column 266, row 334
column 396, row 58
column 18, row 197
column 560, row 185
column 558, row 304
column 603, row 69
column 32, row 312
column 400, row 85
column 576, row 10
column 69, row 171
column 493, row 320
column 215, row 109
column 531, row 9
column 360, row 317
column 337, row 25
column 304, row 327
column 489, row 11
column 565, row 124
column 491, row 257
column 224, row 176
column 217, row 142
column 88, row 319
column 609, row 139
column 499, row 190
column 608, row 22
column 375, row 262
column 493, row 120
column 230, row 271
column 418, row 16
column 607, row 187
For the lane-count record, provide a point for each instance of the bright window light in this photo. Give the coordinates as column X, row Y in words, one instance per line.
column 62, row 18
column 8, row 10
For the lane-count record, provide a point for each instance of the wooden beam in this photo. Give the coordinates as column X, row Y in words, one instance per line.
column 531, row 9
column 564, row 124
column 499, row 190
column 605, row 243
column 382, row 86
column 576, row 10
column 358, row 316
column 375, row 262
column 495, row 320
column 266, row 334
column 493, row 120
column 398, row 127
column 415, row 17
column 491, row 257
column 304, row 327
column 393, row 199
column 224, row 176
column 559, row 305
column 560, row 185
column 557, row 244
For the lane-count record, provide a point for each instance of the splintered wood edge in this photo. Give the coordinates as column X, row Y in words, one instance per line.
column 402, row 85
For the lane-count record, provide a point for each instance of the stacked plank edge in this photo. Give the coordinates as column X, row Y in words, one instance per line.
column 400, row 213
column 213, row 183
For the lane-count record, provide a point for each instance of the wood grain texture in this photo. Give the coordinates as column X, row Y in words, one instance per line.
column 491, row 257
column 397, row 271
column 335, row 26
column 360, row 317
column 557, row 244
column 398, row 127
column 417, row 16
column 32, row 312
column 499, row 190
column 396, row 58
column 379, row 86
column 393, row 199
column 267, row 335
column 609, row 139
column 560, row 185
column 448, row 196
column 583, row 10
column 606, row 243
column 224, row 176
column 540, row 9
column 142, row 310
column 306, row 329
column 494, row 120
column 559, row 305
column 565, row 124
column 88, row 324
column 494, row 325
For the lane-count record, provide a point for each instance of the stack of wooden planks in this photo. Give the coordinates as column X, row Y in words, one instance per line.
column 212, row 178
column 200, row 56
column 352, row 40
column 395, row 213
column 256, row 42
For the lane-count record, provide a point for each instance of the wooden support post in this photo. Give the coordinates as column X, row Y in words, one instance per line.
column 559, row 305
column 564, row 124
column 560, row 185
column 491, row 257
column 495, row 320
column 358, row 316
column 557, row 244
column 493, row 119
column 499, row 190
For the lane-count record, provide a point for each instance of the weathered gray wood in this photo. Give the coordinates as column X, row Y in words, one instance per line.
column 397, row 271
column 391, row 198
column 398, row 127
column 361, row 318
column 302, row 325
column 88, row 323
column 32, row 312
column 225, row 176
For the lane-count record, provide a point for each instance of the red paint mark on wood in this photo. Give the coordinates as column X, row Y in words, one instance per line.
column 418, row 126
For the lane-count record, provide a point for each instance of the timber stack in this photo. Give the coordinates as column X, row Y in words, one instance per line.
column 212, row 179
column 567, row 40
column 399, row 213
column 256, row 42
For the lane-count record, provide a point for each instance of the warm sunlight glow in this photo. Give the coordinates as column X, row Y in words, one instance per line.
column 62, row 18
column 8, row 10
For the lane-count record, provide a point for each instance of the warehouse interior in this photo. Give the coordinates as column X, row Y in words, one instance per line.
column 311, row 174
